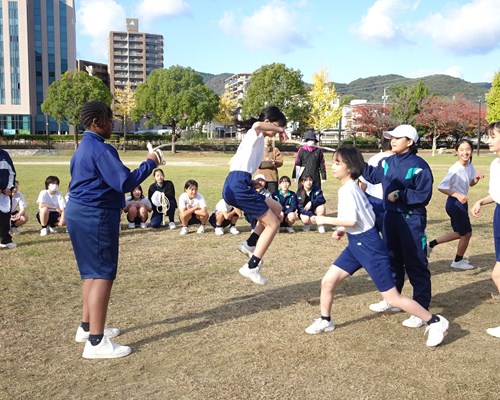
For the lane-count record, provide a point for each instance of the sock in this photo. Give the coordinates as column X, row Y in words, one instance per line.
column 434, row 318
column 95, row 339
column 252, row 240
column 85, row 326
column 326, row 318
column 458, row 258
column 44, row 226
column 253, row 262
column 433, row 244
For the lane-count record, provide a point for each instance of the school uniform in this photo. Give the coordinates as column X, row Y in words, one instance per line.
column 143, row 201
column 98, row 181
column 7, row 178
column 494, row 191
column 168, row 190
column 54, row 200
column 288, row 203
column 316, row 198
column 185, row 201
column 405, row 220
column 17, row 201
column 221, row 206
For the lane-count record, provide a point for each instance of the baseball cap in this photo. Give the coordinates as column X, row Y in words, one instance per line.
column 400, row 131
column 259, row 176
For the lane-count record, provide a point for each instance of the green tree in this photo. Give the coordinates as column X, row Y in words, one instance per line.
column 407, row 102
column 66, row 96
column 493, row 99
column 176, row 97
column 325, row 112
column 123, row 105
column 227, row 110
column 276, row 85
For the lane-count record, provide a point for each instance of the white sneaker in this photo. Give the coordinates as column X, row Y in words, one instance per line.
column 131, row 225
column 494, row 331
column 320, row 325
column 289, row 229
column 15, row 231
column 306, row 228
column 44, row 232
column 462, row 264
column 219, row 231
column 246, row 249
column 10, row 245
column 253, row 274
column 321, row 229
column 52, row 230
column 428, row 250
column 234, row 231
column 171, row 225
column 201, row 229
column 184, row 230
column 436, row 331
column 82, row 336
column 144, row 225
column 382, row 306
column 106, row 349
column 413, row 322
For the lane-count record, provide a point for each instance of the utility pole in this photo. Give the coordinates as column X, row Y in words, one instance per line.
column 385, row 97
column 480, row 100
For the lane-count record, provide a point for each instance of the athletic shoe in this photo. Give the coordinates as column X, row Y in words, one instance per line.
column 201, row 229
column 321, row 229
column 131, row 225
column 382, row 306
column 184, row 230
column 234, row 231
column 428, row 250
column 436, row 331
column 289, row 229
column 320, row 325
column 52, row 230
column 82, row 336
column 10, row 245
column 494, row 331
column 219, row 231
column 415, row 322
column 15, row 231
column 144, row 225
column 306, row 228
column 44, row 232
column 171, row 225
column 462, row 264
column 253, row 274
column 106, row 349
column 246, row 249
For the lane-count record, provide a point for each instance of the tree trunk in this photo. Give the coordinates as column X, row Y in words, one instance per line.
column 434, row 142
column 174, row 126
column 124, row 134
column 75, row 130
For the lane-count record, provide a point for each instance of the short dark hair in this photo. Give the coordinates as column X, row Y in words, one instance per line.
column 51, row 179
column 189, row 183
column 95, row 110
column 285, row 178
column 351, row 157
column 158, row 170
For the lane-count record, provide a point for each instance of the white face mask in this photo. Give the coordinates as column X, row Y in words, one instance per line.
column 311, row 143
column 53, row 187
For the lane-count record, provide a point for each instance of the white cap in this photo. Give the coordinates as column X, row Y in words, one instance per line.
column 400, row 131
column 259, row 176
column 156, row 199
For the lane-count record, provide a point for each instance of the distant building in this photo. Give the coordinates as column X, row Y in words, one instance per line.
column 133, row 56
column 236, row 86
column 37, row 45
column 94, row 69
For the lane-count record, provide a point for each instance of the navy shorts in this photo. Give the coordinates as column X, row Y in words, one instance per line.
column 367, row 250
column 53, row 218
column 459, row 215
column 239, row 192
column 225, row 222
column 94, row 233
column 496, row 231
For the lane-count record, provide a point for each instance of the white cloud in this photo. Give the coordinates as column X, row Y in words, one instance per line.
column 379, row 24
column 473, row 28
column 271, row 27
column 95, row 19
column 149, row 10
column 454, row 71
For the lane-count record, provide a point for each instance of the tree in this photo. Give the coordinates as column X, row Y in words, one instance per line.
column 123, row 105
column 493, row 99
column 176, row 97
column 371, row 119
column 276, row 85
column 66, row 96
column 227, row 110
column 408, row 102
column 325, row 113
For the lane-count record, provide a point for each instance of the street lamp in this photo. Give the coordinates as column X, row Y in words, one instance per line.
column 47, row 131
column 480, row 101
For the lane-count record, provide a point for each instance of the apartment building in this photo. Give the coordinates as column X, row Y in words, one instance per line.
column 236, row 86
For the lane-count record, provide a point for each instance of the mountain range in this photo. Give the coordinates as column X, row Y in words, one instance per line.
column 372, row 88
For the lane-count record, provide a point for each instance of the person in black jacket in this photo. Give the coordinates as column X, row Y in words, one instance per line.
column 310, row 160
column 7, row 178
column 311, row 202
column 288, row 201
column 162, row 188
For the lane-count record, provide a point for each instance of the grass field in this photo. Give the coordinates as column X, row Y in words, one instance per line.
column 199, row 330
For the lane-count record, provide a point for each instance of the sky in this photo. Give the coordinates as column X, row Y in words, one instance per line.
column 350, row 39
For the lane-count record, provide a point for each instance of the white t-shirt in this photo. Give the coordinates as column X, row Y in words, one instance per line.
column 53, row 200
column 354, row 206
column 145, row 201
column 371, row 189
column 185, row 201
column 18, row 202
column 249, row 154
column 223, row 206
column 494, row 180
column 458, row 178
